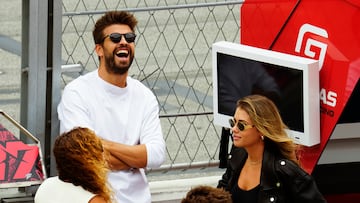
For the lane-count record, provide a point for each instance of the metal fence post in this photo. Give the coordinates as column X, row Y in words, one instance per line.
column 34, row 68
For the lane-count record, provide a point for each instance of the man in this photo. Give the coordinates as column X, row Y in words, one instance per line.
column 120, row 109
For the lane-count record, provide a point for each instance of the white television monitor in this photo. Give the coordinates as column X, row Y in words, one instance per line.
column 292, row 82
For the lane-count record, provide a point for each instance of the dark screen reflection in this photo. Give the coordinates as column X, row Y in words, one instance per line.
column 239, row 77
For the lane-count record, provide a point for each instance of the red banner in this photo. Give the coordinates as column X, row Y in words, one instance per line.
column 19, row 162
column 328, row 31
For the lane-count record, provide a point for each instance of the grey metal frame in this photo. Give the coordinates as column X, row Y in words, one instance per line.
column 34, row 67
column 40, row 72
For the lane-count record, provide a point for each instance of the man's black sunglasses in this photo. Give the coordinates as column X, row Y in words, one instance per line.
column 240, row 125
column 116, row 37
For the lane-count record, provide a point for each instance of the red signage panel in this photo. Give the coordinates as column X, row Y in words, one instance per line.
column 328, row 31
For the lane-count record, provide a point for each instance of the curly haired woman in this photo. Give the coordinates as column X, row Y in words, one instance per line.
column 207, row 194
column 82, row 170
column 262, row 165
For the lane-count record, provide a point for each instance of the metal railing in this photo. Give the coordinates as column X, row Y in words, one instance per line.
column 173, row 58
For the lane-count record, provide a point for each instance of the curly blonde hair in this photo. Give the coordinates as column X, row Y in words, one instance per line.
column 266, row 117
column 80, row 161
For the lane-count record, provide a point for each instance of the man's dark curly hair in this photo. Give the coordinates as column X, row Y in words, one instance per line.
column 112, row 18
column 207, row 194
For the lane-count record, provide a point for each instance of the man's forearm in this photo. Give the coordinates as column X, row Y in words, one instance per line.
column 115, row 164
column 131, row 156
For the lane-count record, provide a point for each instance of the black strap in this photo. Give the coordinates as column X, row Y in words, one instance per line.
column 224, row 147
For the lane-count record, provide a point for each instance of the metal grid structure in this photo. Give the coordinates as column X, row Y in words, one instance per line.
column 173, row 58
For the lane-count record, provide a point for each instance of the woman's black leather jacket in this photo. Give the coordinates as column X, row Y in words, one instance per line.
column 281, row 181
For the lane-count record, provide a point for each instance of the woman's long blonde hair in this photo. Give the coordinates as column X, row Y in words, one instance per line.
column 80, row 161
column 266, row 117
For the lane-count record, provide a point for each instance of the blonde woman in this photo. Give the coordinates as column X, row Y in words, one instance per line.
column 262, row 165
column 82, row 170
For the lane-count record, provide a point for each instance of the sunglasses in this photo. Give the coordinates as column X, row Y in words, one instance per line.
column 116, row 37
column 240, row 125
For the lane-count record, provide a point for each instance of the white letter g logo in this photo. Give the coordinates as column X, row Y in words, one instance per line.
column 311, row 42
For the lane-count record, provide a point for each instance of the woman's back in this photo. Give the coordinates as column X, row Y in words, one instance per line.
column 54, row 190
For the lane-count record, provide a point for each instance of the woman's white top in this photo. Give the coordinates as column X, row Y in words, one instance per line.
column 54, row 190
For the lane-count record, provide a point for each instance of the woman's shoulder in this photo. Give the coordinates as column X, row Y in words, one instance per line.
column 51, row 181
column 287, row 168
column 300, row 184
column 97, row 199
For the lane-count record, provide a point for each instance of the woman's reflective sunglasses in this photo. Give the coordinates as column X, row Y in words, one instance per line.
column 240, row 125
column 116, row 37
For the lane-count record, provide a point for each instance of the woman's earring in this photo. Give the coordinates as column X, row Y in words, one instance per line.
column 262, row 137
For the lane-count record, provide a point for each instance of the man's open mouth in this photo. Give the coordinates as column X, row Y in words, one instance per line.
column 122, row 53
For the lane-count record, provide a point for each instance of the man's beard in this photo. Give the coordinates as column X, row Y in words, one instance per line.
column 114, row 68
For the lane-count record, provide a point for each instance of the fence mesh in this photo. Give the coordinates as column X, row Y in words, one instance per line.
column 172, row 58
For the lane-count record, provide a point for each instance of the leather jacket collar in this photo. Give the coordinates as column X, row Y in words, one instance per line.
column 281, row 180
column 268, row 179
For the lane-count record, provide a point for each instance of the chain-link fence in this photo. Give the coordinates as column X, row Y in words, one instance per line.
column 173, row 58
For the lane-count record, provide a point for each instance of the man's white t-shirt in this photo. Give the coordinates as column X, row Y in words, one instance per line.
column 127, row 115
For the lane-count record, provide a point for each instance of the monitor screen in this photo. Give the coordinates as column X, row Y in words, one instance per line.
column 292, row 83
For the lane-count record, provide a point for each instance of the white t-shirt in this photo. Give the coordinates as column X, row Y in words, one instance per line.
column 127, row 115
column 54, row 190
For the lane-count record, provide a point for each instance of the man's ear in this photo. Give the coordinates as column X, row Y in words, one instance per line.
column 99, row 50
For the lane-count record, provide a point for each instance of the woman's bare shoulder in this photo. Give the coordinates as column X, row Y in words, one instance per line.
column 97, row 199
